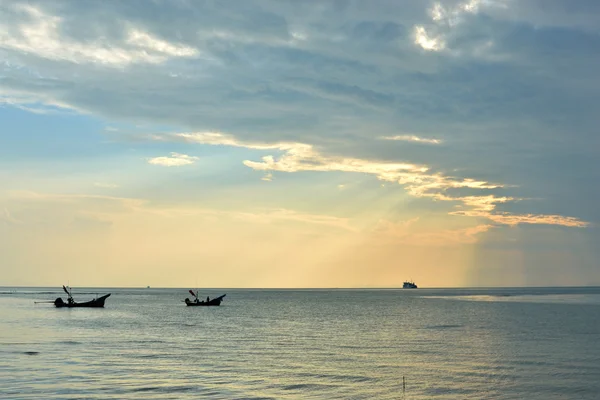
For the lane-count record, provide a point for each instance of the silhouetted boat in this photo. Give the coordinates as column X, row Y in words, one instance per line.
column 96, row 303
column 409, row 285
column 208, row 302
column 99, row 302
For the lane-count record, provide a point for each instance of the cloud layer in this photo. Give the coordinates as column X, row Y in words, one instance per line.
column 478, row 114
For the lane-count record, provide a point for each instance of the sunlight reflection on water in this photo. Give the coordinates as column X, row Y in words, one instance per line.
column 304, row 344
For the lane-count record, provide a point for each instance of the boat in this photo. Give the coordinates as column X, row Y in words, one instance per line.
column 99, row 302
column 409, row 285
column 208, row 302
column 71, row 303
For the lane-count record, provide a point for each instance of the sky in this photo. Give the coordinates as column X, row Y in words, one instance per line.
column 299, row 144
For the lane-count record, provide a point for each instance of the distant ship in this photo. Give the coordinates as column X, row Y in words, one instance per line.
column 409, row 285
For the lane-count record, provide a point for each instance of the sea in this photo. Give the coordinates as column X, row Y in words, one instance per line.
column 497, row 343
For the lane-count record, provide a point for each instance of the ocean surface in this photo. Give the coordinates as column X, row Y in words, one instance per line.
column 525, row 343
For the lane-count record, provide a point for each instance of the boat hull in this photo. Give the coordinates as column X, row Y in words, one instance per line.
column 96, row 303
column 214, row 302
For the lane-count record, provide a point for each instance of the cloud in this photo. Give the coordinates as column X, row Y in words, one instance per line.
column 418, row 180
column 268, row 177
column 222, row 139
column 299, row 157
column 315, row 91
column 175, row 160
column 41, row 36
column 446, row 21
column 427, row 41
column 119, row 204
column 273, row 215
column 152, row 44
column 103, row 209
column 33, row 105
column 516, row 219
column 412, row 138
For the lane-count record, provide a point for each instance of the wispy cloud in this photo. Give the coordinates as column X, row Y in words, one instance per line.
column 33, row 196
column 33, row 106
column 223, row 139
column 412, row 138
column 174, row 160
column 300, row 157
column 516, row 219
column 416, row 179
column 269, row 216
column 41, row 36
column 107, row 207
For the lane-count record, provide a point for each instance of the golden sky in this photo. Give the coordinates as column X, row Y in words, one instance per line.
column 298, row 145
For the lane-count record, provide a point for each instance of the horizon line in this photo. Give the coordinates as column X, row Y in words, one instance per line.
column 313, row 288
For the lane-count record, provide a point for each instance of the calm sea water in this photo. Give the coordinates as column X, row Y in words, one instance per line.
column 541, row 343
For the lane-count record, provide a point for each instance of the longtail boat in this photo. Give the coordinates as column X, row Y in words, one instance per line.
column 70, row 303
column 208, row 302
